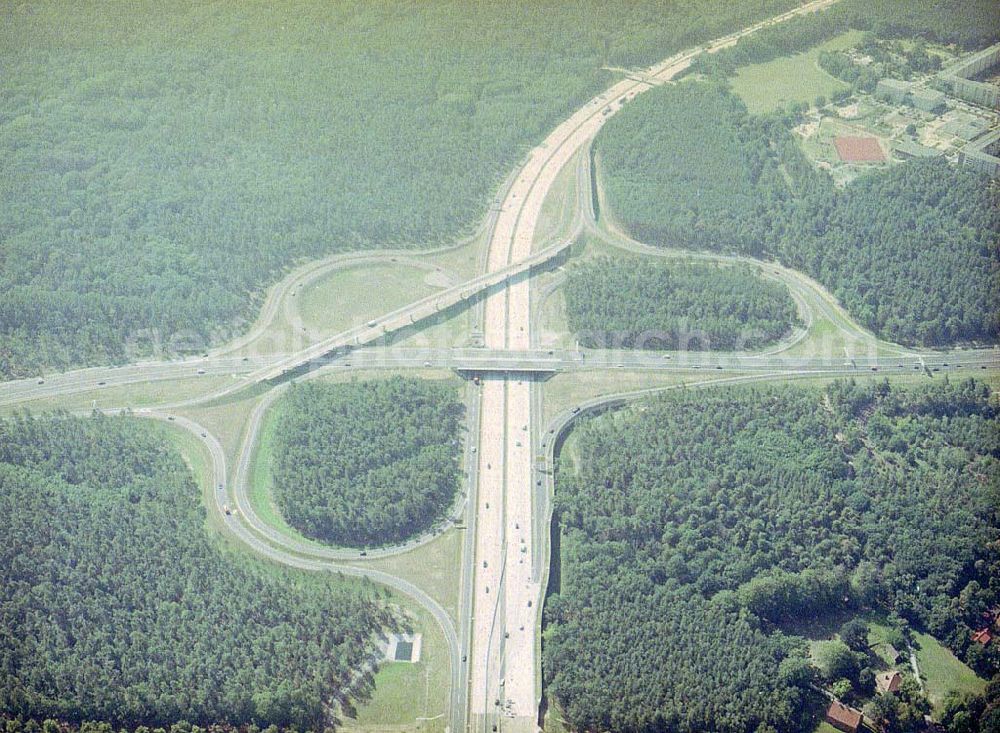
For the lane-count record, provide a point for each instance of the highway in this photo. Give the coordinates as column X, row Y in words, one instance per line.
column 498, row 360
column 494, row 647
column 551, row 361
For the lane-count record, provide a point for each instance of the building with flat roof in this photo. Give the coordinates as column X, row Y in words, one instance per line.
column 910, row 149
column 961, row 84
column 892, row 90
column 928, row 100
column 965, row 128
column 981, row 154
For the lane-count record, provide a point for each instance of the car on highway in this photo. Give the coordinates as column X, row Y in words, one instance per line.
column 41, row 381
column 201, row 371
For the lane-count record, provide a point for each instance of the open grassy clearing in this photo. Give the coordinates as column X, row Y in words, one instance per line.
column 943, row 671
column 407, row 696
column 566, row 390
column 560, row 204
column 351, row 297
column 260, row 481
column 824, row 727
column 343, row 298
column 144, row 394
column 434, row 566
column 444, row 330
column 553, row 329
column 778, row 83
column 462, row 261
column 227, row 422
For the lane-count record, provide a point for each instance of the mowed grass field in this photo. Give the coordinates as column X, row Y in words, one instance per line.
column 943, row 671
column 409, row 696
column 775, row 84
column 350, row 297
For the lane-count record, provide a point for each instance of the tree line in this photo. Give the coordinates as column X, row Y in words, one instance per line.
column 116, row 605
column 911, row 252
column 367, row 463
column 635, row 303
column 969, row 24
column 693, row 529
column 155, row 188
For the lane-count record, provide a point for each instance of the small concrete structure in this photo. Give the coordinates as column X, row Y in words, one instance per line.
column 404, row 648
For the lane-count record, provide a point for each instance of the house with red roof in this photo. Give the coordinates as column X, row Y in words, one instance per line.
column 844, row 718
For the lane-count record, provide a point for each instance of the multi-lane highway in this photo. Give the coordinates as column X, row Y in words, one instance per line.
column 494, row 646
column 503, row 688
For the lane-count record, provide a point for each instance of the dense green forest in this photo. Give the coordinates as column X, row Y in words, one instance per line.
column 367, row 463
column 692, row 529
column 161, row 163
column 658, row 305
column 116, row 605
column 911, row 252
column 969, row 24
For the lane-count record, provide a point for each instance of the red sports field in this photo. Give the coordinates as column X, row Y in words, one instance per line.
column 859, row 149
